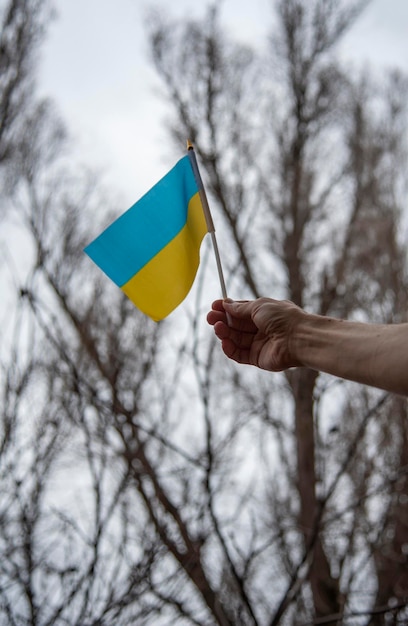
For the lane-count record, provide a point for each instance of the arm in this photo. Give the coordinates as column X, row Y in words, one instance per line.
column 372, row 354
column 276, row 335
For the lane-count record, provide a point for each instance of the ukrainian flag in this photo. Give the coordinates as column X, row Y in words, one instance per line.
column 152, row 251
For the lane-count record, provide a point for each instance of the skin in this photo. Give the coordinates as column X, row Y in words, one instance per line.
column 276, row 335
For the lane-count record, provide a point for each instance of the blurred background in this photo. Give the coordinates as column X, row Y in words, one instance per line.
column 144, row 479
column 95, row 64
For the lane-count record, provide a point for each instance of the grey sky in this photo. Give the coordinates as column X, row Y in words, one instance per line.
column 95, row 67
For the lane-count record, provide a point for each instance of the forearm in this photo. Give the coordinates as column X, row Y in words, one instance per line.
column 372, row 354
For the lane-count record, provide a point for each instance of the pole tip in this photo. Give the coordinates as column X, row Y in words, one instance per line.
column 189, row 145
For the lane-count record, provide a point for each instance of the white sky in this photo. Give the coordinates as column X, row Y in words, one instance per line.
column 95, row 66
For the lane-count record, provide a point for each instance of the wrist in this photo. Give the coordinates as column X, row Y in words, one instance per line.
column 311, row 339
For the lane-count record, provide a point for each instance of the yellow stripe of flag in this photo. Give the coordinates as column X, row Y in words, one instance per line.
column 156, row 295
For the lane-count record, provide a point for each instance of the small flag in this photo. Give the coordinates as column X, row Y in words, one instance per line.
column 152, row 251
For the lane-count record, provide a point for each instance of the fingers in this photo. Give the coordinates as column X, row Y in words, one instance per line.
column 234, row 326
column 242, row 340
column 234, row 352
column 221, row 329
column 255, row 332
column 217, row 313
column 216, row 316
column 235, row 344
column 238, row 308
column 239, row 315
column 218, row 305
column 236, row 314
column 230, row 305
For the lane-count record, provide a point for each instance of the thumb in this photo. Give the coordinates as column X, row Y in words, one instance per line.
column 238, row 308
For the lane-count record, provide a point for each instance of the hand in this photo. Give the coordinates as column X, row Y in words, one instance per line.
column 258, row 332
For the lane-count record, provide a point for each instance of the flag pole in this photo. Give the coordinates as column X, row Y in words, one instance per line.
column 207, row 214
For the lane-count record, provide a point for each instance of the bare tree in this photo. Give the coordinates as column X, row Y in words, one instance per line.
column 22, row 29
column 143, row 479
column 304, row 165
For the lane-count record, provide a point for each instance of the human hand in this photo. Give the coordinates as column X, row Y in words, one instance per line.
column 259, row 332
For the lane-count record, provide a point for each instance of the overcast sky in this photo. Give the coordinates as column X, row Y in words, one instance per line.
column 95, row 66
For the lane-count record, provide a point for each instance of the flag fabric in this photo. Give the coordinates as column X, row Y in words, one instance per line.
column 152, row 251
